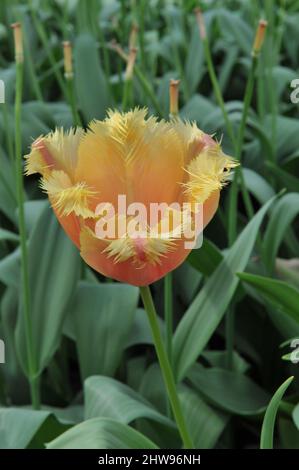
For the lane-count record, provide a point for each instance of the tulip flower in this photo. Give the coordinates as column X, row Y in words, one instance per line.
column 144, row 160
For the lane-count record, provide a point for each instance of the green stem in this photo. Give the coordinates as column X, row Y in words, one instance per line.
column 148, row 89
column 72, row 101
column 9, row 140
column 217, row 90
column 165, row 366
column 168, row 317
column 34, row 386
column 44, row 40
column 168, row 313
column 127, row 95
column 235, row 142
column 233, row 195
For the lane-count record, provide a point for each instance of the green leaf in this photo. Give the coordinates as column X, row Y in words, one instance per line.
column 93, row 99
column 108, row 398
column 18, row 426
column 288, row 434
column 206, row 258
column 204, row 423
column 140, row 332
column 237, row 29
column 282, row 215
column 231, row 391
column 295, row 415
column 282, row 295
column 288, row 270
column 33, row 210
column 219, row 359
column 53, row 273
column 258, row 186
column 10, row 269
column 101, row 433
column 285, row 179
column 103, row 316
column 8, row 201
column 8, row 236
column 194, row 66
column 196, row 108
column 267, row 433
column 206, row 311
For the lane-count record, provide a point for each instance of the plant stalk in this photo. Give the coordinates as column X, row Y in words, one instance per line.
column 165, row 367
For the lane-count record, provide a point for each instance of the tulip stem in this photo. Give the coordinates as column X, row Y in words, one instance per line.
column 165, row 367
column 33, row 381
column 72, row 102
column 168, row 314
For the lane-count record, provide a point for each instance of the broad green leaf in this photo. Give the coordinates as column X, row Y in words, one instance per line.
column 282, row 215
column 8, row 201
column 194, row 66
column 287, row 139
column 230, row 391
column 204, row 423
column 267, row 433
column 282, row 295
column 288, row 434
column 152, row 387
column 296, row 416
column 236, row 28
column 8, row 236
column 103, row 316
column 101, row 433
column 53, row 273
column 219, row 359
column 18, row 426
column 33, row 210
column 258, row 186
column 206, row 311
column 284, row 178
column 108, row 398
column 196, row 108
column 288, row 270
column 206, row 258
column 93, row 99
column 10, row 269
column 140, row 332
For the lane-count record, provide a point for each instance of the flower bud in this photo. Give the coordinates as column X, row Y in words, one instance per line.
column 174, row 97
column 68, row 62
column 201, row 23
column 18, row 41
column 259, row 37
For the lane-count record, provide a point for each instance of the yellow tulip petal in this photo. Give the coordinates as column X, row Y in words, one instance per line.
column 66, row 197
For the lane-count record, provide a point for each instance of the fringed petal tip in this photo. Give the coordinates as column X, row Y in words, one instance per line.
column 208, row 172
column 66, row 197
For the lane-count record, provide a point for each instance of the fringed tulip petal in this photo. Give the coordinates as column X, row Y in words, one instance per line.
column 66, row 197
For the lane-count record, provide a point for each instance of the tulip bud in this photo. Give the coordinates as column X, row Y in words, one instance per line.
column 68, row 63
column 174, row 97
column 18, row 41
column 201, row 23
column 259, row 37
